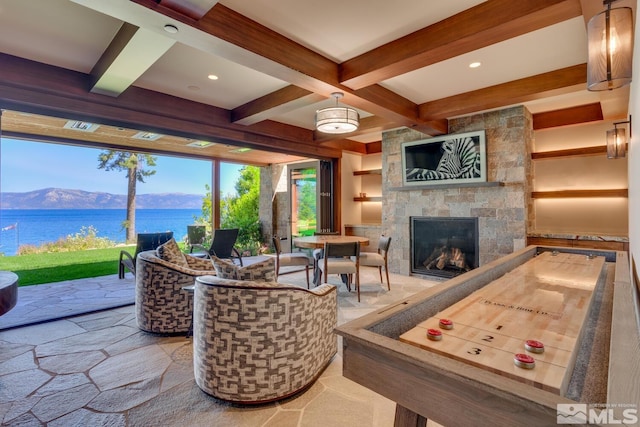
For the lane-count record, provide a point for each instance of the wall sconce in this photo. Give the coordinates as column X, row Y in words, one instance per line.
column 617, row 140
column 610, row 38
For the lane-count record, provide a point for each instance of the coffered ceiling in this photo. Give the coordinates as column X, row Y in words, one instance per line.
column 400, row 63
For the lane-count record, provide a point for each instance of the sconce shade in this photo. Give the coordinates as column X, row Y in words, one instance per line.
column 616, row 143
column 337, row 119
column 610, row 38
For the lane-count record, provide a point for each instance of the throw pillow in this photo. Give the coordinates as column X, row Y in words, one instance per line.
column 263, row 271
column 170, row 252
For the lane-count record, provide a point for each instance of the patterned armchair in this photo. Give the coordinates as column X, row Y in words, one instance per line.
column 255, row 342
column 162, row 306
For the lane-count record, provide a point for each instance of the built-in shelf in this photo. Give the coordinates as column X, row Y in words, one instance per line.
column 571, row 152
column 368, row 172
column 560, row 194
column 368, row 199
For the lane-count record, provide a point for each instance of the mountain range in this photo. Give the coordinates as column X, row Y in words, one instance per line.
column 59, row 198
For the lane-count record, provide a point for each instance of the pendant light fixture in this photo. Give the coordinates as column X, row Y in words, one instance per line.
column 337, row 119
column 610, row 45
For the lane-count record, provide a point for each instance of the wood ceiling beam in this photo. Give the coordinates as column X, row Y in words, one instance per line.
column 129, row 55
column 565, row 80
column 480, row 26
column 43, row 89
column 273, row 104
column 568, row 116
column 282, row 58
column 195, row 9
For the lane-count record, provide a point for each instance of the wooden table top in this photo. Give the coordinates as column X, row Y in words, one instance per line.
column 313, row 242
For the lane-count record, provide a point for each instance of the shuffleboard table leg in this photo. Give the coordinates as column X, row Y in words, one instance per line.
column 407, row 418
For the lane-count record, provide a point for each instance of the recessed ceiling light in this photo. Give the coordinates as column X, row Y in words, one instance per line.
column 193, row 87
column 147, row 136
column 212, row 77
column 475, row 64
column 171, row 29
column 201, row 144
column 81, row 126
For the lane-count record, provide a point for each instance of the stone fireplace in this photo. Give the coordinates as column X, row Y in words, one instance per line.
column 444, row 246
column 500, row 206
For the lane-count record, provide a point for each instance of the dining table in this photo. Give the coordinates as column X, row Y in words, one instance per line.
column 317, row 242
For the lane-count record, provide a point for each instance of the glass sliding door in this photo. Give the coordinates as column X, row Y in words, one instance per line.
column 303, row 189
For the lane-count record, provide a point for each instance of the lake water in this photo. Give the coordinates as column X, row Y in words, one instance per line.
column 36, row 226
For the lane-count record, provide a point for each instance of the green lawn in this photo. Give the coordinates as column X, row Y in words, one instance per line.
column 55, row 267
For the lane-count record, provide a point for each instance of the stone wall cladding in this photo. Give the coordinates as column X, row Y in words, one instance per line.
column 502, row 211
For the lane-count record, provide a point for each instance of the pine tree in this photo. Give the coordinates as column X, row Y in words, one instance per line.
column 133, row 164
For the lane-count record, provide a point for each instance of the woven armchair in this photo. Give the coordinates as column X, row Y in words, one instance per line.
column 162, row 306
column 256, row 342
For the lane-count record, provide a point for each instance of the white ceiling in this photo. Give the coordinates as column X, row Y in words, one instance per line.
column 73, row 34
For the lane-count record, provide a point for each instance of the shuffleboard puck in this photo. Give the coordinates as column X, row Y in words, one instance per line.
column 534, row 346
column 434, row 334
column 445, row 324
column 524, row 361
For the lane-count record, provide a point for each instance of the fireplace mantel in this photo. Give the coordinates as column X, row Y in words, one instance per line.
column 446, row 186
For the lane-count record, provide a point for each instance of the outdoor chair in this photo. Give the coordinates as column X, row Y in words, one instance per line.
column 379, row 258
column 342, row 259
column 222, row 245
column 144, row 242
column 289, row 259
column 195, row 235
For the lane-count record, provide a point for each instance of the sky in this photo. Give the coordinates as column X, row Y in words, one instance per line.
column 29, row 165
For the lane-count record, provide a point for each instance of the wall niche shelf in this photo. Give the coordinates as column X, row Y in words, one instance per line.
column 368, row 172
column 368, row 199
column 561, row 194
column 598, row 150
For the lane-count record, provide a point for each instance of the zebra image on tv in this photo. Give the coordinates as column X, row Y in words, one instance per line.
column 451, row 158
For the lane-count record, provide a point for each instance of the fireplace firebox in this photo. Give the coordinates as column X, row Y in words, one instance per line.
column 444, row 246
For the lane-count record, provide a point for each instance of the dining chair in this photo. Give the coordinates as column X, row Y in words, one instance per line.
column 144, row 242
column 289, row 259
column 379, row 258
column 343, row 259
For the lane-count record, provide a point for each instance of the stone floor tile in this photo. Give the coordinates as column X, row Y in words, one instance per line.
column 129, row 396
column 92, row 340
column 21, row 384
column 60, row 383
column 9, row 411
column 64, row 402
column 288, row 418
column 80, row 362
column 21, row 362
column 133, row 366
column 43, row 333
column 332, row 409
column 82, row 417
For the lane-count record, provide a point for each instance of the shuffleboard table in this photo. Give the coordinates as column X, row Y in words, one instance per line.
column 506, row 344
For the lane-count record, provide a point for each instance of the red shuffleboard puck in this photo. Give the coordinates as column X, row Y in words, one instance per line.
column 445, row 324
column 434, row 334
column 524, row 361
column 534, row 346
